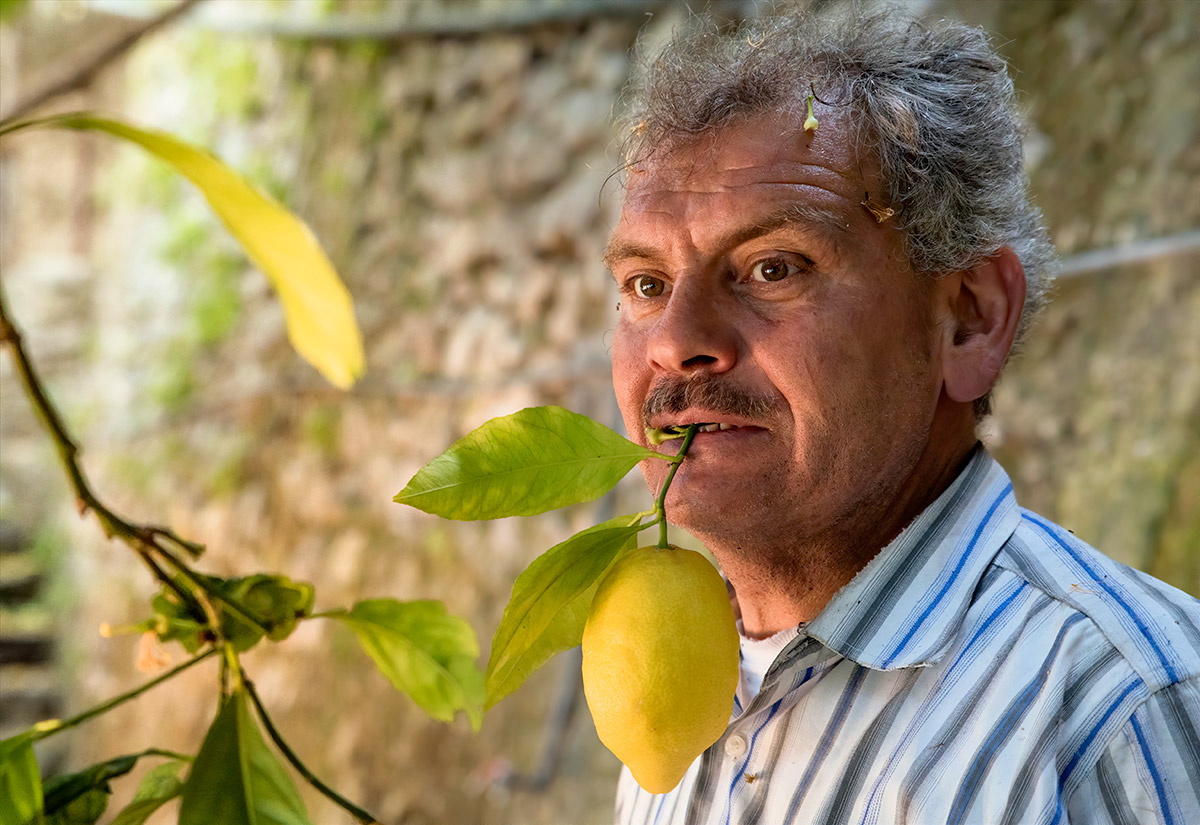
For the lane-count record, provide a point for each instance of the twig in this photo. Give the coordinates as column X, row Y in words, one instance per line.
column 168, row 754
column 141, row 536
column 48, row 729
column 661, row 504
column 355, row 811
column 82, row 75
column 142, row 539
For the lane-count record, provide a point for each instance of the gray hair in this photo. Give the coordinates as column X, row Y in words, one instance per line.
column 931, row 103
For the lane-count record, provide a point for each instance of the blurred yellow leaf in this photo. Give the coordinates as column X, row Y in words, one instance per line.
column 316, row 305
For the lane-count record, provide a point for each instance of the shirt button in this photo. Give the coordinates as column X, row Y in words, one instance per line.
column 735, row 745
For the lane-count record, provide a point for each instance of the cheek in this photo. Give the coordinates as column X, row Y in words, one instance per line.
column 844, row 365
column 628, row 376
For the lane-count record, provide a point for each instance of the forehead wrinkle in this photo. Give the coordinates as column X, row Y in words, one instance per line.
column 829, row 223
column 824, row 221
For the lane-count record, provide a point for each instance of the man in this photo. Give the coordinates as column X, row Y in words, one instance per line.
column 840, row 300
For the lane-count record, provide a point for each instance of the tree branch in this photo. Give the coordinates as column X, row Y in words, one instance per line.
column 142, row 538
column 54, row 726
column 309, row 777
column 82, row 75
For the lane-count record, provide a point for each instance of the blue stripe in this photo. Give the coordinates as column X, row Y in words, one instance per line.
column 1100, row 581
column 832, row 728
column 987, row 623
column 637, row 791
column 1058, row 810
column 662, row 800
column 737, row 774
column 1004, row 727
column 962, row 562
column 1083, row 746
column 1159, row 788
column 948, row 681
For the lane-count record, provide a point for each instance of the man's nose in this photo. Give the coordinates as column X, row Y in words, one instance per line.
column 692, row 334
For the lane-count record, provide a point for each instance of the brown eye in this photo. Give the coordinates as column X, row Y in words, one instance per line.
column 647, row 286
column 771, row 269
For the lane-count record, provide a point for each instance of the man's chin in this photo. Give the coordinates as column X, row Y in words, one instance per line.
column 700, row 508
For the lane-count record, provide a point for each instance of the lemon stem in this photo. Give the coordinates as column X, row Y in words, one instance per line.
column 661, row 504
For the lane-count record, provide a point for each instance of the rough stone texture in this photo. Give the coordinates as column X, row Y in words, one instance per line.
column 455, row 183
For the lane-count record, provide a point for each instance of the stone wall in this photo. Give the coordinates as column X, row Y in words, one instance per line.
column 455, row 181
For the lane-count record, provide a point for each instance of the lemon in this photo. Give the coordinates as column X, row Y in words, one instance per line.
column 660, row 662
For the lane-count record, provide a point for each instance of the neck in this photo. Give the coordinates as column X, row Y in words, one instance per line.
column 780, row 584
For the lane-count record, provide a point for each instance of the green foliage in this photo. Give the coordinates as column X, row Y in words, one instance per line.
column 523, row 464
column 321, row 428
column 550, row 602
column 527, row 463
column 11, row 9
column 274, row 603
column 80, row 798
column 234, row 69
column 423, row 651
column 49, row 546
column 236, row 779
column 20, row 781
column 160, row 785
column 175, row 386
column 216, row 298
column 85, row 809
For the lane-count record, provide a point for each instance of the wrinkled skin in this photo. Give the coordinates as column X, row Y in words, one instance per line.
column 747, row 260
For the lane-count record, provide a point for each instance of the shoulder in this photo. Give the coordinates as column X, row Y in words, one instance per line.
column 1154, row 627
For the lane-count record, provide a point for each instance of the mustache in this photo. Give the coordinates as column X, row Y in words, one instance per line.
column 674, row 395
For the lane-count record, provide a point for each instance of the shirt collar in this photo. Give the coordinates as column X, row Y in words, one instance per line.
column 904, row 608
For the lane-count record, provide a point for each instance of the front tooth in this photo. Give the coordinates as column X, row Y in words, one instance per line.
column 727, row 426
column 709, row 428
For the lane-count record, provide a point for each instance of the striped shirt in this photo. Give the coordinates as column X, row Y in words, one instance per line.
column 987, row 667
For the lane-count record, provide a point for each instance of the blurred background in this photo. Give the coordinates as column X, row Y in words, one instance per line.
column 451, row 156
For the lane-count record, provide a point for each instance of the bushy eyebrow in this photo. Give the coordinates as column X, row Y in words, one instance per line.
column 828, row 223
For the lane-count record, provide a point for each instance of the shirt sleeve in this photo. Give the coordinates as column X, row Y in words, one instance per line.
column 1150, row 772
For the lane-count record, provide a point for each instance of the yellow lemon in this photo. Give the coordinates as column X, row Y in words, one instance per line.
column 660, row 662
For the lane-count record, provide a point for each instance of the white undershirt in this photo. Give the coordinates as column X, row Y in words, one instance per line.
column 757, row 656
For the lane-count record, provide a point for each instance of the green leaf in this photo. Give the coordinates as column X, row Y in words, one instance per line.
column 85, row 809
column 160, row 785
column 423, row 651
column 236, row 779
column 550, row 601
column 316, row 305
column 80, row 798
column 276, row 603
column 20, row 781
column 523, row 464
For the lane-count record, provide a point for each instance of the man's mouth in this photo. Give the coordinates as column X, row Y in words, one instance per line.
column 668, row 432
column 709, row 428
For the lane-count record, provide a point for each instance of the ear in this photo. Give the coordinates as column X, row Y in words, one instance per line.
column 985, row 307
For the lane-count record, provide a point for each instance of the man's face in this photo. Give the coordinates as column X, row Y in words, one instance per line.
column 750, row 271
